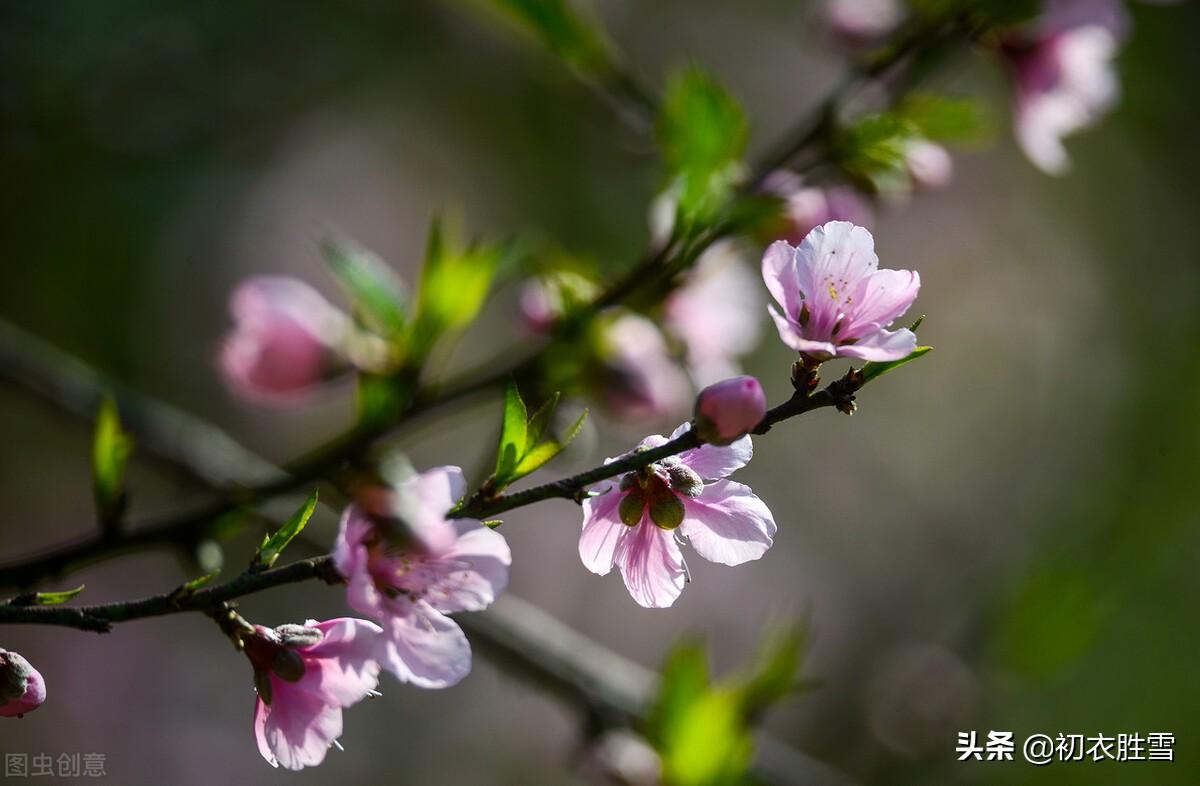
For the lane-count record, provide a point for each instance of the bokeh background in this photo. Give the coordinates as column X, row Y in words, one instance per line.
column 1006, row 535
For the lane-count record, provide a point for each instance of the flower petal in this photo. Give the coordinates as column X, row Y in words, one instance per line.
column 792, row 335
column 296, row 729
column 728, row 524
column 345, row 659
column 470, row 575
column 651, row 565
column 779, row 274
column 423, row 646
column 830, row 262
column 880, row 299
column 711, row 462
column 882, row 345
column 602, row 530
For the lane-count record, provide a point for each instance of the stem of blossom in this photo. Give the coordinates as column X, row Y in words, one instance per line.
column 838, row 394
column 211, row 601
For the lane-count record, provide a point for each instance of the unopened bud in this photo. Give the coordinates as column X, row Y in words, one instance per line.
column 22, row 689
column 729, row 409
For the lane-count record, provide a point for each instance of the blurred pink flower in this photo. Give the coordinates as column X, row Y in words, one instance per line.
column 929, row 164
column 638, row 378
column 305, row 676
column 1063, row 74
column 811, row 206
column 22, row 688
column 716, row 314
column 286, row 339
column 835, row 300
column 546, row 298
column 633, row 523
column 411, row 585
column 729, row 409
column 862, row 23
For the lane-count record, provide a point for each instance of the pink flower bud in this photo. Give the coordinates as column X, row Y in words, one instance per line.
column 929, row 164
column 287, row 338
column 22, row 689
column 729, row 409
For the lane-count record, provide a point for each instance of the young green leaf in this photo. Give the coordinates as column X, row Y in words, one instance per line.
column 375, row 290
column 944, row 119
column 513, row 430
column 57, row 598
column 684, row 680
column 874, row 370
column 538, row 455
column 563, row 31
column 111, row 448
column 777, row 673
column 454, row 285
column 702, row 132
column 274, row 545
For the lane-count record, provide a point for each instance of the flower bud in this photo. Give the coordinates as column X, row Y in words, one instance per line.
column 286, row 340
column 929, row 164
column 22, row 689
column 729, row 409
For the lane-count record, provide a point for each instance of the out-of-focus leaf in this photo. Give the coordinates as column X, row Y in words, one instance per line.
column 566, row 33
column 274, row 545
column 381, row 397
column 372, row 287
column 709, row 745
column 454, row 284
column 874, row 370
column 943, row 119
column 777, row 673
column 111, row 448
column 702, row 132
column 57, row 598
column 513, row 431
column 872, row 150
column 685, row 679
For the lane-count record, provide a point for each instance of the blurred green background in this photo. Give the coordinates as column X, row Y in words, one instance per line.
column 1004, row 537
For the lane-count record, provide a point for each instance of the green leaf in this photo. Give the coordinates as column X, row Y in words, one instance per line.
column 874, row 370
column 943, row 119
column 777, row 673
column 684, row 680
column 198, row 583
column 873, row 150
column 564, row 32
column 492, row 523
column 710, row 745
column 454, row 285
column 374, row 288
column 274, row 545
column 111, row 448
column 512, row 434
column 539, row 421
column 380, row 398
column 702, row 132
column 57, row 598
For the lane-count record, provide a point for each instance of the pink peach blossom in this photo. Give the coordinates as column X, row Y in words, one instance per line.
column 22, row 688
column 635, row 522
column 836, row 301
column 638, row 378
column 807, row 206
column 929, row 164
column 1063, row 74
column 716, row 314
column 862, row 23
column 287, row 338
column 410, row 584
column 305, row 676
